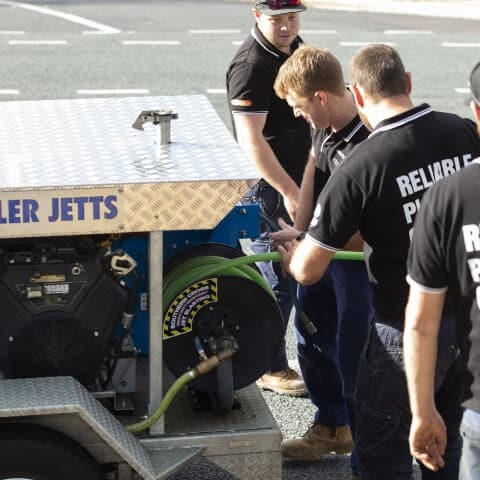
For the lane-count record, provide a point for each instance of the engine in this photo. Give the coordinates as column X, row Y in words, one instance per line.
column 60, row 303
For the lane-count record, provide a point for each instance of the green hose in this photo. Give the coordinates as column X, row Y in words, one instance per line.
column 203, row 367
column 164, row 404
column 190, row 272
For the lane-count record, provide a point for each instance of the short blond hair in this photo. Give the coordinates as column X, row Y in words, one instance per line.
column 308, row 70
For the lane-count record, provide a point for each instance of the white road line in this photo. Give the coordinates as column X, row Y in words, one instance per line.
column 460, row 45
column 150, row 42
column 65, row 16
column 408, row 32
column 12, row 32
column 318, row 32
column 37, row 42
column 224, row 30
column 462, row 90
column 9, row 91
column 361, row 44
column 217, row 90
column 237, row 42
column 97, row 32
column 114, row 91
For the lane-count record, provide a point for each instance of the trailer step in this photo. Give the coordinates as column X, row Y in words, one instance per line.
column 166, row 462
column 65, row 405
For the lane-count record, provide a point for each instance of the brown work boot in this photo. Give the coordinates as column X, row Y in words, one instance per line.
column 318, row 441
column 286, row 382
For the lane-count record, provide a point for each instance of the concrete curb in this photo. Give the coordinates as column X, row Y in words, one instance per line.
column 466, row 9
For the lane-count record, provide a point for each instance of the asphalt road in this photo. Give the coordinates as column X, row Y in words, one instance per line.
column 179, row 47
column 78, row 48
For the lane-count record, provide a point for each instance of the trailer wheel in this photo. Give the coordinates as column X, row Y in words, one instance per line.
column 37, row 453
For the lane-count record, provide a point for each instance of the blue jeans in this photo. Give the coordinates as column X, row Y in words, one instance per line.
column 470, row 461
column 383, row 413
column 338, row 305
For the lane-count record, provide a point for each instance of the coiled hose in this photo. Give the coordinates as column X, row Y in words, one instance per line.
column 191, row 271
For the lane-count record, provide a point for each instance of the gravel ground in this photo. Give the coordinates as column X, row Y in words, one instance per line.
column 294, row 415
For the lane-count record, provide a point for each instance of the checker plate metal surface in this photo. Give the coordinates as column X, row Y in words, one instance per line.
column 59, row 395
column 254, row 414
column 79, row 167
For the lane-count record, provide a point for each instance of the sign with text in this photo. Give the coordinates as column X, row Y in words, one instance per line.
column 50, row 212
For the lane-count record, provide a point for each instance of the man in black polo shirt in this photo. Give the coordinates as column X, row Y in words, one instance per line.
column 444, row 267
column 377, row 191
column 338, row 305
column 277, row 143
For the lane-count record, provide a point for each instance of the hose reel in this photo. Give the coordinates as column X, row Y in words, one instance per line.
column 212, row 305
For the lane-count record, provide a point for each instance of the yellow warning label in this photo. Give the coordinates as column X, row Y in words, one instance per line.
column 181, row 313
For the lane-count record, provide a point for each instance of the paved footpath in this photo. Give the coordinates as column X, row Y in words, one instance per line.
column 469, row 9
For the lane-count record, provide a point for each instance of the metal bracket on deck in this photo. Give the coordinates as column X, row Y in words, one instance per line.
column 161, row 119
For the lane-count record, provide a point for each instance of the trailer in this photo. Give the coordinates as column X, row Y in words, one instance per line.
column 132, row 328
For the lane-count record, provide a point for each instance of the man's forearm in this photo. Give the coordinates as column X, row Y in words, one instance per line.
column 422, row 322
column 305, row 202
column 420, row 353
column 250, row 138
column 307, row 262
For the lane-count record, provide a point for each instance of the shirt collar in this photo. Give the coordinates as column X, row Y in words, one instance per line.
column 270, row 48
column 402, row 118
column 346, row 133
column 349, row 130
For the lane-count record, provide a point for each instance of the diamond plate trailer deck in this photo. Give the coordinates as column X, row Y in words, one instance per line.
column 77, row 167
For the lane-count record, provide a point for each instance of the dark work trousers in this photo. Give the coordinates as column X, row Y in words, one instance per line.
column 271, row 208
column 339, row 306
column 383, row 414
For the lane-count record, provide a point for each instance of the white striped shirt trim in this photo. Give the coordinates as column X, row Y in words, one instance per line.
column 403, row 121
column 353, row 132
column 423, row 288
column 324, row 140
column 240, row 112
column 347, row 138
column 323, row 245
column 262, row 45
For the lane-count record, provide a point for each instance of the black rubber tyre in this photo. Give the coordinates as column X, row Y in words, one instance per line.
column 37, row 453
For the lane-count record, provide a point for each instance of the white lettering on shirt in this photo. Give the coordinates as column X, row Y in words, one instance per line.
column 474, row 265
column 410, row 209
column 471, row 237
column 421, row 179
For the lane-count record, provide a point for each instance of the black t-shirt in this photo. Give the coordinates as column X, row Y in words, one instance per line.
column 250, row 79
column 378, row 188
column 331, row 148
column 445, row 253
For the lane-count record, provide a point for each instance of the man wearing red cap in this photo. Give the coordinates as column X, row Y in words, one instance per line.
column 276, row 142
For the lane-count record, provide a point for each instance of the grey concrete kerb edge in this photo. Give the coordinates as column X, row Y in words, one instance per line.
column 467, row 9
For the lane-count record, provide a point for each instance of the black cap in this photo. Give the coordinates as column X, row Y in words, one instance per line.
column 475, row 83
column 279, row 7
